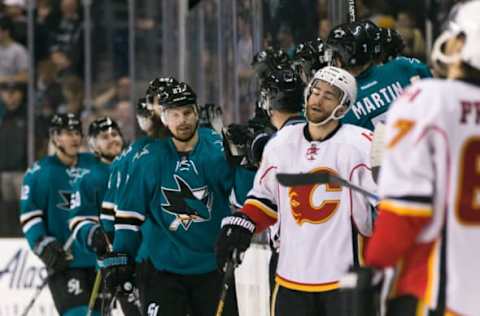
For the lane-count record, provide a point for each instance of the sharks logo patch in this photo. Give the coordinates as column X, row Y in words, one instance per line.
column 66, row 200
column 76, row 173
column 187, row 204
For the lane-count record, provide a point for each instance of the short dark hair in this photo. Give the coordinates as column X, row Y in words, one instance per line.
column 6, row 24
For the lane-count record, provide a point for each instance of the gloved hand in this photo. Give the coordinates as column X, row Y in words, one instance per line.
column 52, row 254
column 118, row 272
column 256, row 147
column 210, row 116
column 234, row 238
column 97, row 241
column 236, row 138
column 260, row 122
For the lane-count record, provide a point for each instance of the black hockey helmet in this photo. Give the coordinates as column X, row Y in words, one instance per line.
column 157, row 85
column 102, row 124
column 268, row 60
column 374, row 35
column 309, row 57
column 176, row 95
column 392, row 44
column 282, row 90
column 350, row 43
column 65, row 121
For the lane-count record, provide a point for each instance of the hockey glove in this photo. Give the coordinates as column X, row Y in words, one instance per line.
column 97, row 241
column 234, row 238
column 118, row 272
column 256, row 147
column 236, row 139
column 52, row 254
column 210, row 116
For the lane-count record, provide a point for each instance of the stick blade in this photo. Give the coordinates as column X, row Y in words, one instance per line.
column 299, row 179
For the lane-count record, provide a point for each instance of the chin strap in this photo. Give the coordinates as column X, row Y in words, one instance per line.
column 332, row 116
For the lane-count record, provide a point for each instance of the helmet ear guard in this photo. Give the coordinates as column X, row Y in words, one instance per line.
column 463, row 21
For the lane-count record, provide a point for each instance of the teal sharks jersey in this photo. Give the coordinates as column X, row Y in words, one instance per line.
column 119, row 170
column 88, row 195
column 379, row 86
column 182, row 198
column 46, row 202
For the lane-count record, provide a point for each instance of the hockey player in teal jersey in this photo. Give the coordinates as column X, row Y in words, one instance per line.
column 45, row 208
column 106, row 142
column 180, row 184
column 351, row 47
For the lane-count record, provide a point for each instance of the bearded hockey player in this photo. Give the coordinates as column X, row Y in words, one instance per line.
column 106, row 142
column 429, row 182
column 181, row 185
column 319, row 223
column 45, row 208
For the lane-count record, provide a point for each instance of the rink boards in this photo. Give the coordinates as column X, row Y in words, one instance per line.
column 21, row 272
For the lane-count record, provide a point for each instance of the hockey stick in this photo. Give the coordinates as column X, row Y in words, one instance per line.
column 94, row 294
column 299, row 179
column 229, row 270
column 66, row 248
column 352, row 11
column 96, row 284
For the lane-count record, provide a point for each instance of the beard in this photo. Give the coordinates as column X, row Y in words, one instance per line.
column 316, row 116
column 184, row 133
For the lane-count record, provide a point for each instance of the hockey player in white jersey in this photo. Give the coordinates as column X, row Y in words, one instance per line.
column 320, row 223
column 430, row 183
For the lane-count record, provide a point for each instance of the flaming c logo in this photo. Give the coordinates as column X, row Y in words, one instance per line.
column 302, row 201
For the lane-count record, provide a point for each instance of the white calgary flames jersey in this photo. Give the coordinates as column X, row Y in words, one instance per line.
column 317, row 221
column 431, row 169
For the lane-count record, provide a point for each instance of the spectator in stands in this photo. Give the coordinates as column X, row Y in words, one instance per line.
column 13, row 56
column 72, row 89
column 49, row 90
column 13, row 139
column 46, row 21
column 414, row 42
column 68, row 34
column 115, row 94
column 324, row 28
column 122, row 113
column 61, row 59
column 15, row 11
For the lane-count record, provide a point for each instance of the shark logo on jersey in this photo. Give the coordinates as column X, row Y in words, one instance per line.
column 34, row 168
column 187, row 204
column 76, row 173
column 66, row 202
column 141, row 153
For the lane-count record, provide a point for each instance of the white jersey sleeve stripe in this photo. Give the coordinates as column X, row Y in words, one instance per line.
column 129, row 214
column 30, row 224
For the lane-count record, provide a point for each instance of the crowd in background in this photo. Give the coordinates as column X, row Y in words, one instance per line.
column 59, row 63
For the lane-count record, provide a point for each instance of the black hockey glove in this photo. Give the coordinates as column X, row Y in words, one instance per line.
column 256, row 147
column 118, row 272
column 97, row 241
column 52, row 254
column 360, row 291
column 234, row 238
column 236, row 139
column 260, row 122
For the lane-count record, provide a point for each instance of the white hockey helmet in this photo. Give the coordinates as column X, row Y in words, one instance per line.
column 463, row 19
column 340, row 79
